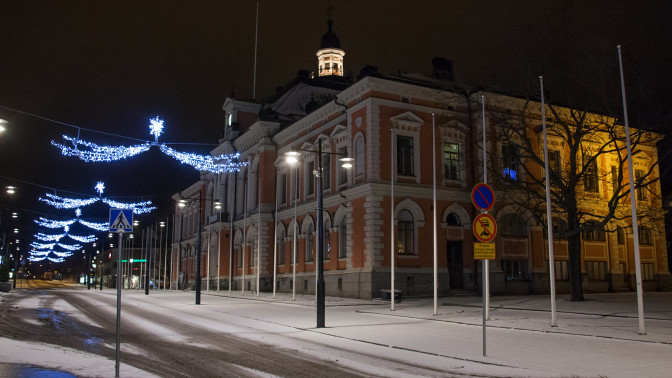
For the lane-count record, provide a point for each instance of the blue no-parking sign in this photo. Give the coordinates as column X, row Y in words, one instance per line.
column 483, row 196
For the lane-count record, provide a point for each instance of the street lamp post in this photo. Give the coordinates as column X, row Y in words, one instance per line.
column 320, row 285
column 320, row 240
column 198, row 251
column 182, row 203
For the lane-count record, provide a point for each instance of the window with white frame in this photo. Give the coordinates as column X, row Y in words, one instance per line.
column 648, row 272
column 451, row 161
column 641, row 190
column 326, row 171
column 515, row 270
column 310, row 178
column 405, row 233
column 360, row 157
column 281, row 247
column 310, row 244
column 513, row 225
column 590, row 178
column 405, row 162
column 645, row 236
column 342, row 172
column 594, row 232
column 554, row 163
column 596, row 270
column 510, row 160
column 614, row 179
column 342, row 239
column 282, row 188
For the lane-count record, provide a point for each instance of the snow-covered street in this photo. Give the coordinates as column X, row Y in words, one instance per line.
column 247, row 335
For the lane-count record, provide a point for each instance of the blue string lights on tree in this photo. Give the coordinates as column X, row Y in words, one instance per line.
column 91, row 152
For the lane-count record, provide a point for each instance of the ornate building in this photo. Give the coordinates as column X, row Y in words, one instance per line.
column 383, row 205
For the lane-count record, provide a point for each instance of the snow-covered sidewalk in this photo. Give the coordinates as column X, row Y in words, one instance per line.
column 597, row 337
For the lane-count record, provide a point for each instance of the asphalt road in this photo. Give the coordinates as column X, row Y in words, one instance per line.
column 208, row 354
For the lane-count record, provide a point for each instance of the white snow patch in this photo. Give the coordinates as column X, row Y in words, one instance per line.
column 73, row 361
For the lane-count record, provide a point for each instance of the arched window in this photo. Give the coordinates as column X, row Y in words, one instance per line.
column 327, row 244
column 594, row 232
column 310, row 244
column 645, row 236
column 453, row 220
column 513, row 225
column 281, row 247
column 620, row 235
column 359, row 156
column 405, row 233
column 342, row 239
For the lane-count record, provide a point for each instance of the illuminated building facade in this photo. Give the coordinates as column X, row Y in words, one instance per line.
column 385, row 124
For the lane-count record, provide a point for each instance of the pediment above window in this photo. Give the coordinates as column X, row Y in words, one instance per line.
column 407, row 121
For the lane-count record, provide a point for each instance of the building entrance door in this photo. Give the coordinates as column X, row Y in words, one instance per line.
column 454, row 250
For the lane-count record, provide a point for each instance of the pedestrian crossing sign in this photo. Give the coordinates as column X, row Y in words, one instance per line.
column 121, row 220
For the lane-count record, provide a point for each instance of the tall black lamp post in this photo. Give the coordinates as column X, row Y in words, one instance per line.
column 183, row 203
column 320, row 294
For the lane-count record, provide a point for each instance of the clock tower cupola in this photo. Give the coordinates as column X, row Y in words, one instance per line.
column 330, row 56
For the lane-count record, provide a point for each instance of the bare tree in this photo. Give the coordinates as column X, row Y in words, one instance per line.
column 588, row 172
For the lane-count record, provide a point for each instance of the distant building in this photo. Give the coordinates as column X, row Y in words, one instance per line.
column 385, row 124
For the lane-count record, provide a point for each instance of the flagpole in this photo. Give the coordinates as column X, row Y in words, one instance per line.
column 242, row 287
column 486, row 265
column 633, row 204
column 549, row 219
column 258, row 262
column 434, row 227
column 485, row 269
column 295, row 179
column 207, row 278
column 275, row 234
column 392, row 254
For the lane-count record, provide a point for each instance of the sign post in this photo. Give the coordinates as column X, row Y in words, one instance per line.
column 121, row 221
column 485, row 230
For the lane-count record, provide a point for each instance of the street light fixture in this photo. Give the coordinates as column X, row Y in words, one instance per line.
column 3, row 128
column 346, row 162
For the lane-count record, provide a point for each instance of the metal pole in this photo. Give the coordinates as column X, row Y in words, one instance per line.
column 549, row 218
column 486, row 263
column 118, row 327
column 198, row 250
column 242, row 288
column 275, row 235
column 434, row 227
column 485, row 270
column 219, row 249
column 392, row 254
column 320, row 241
column 258, row 264
column 231, row 210
column 172, row 271
column 296, row 194
column 633, row 204
column 207, row 265
column 148, row 257
column 165, row 260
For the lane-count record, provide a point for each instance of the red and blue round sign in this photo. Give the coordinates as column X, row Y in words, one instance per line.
column 483, row 196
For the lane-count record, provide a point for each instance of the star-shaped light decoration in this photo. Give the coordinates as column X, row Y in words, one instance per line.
column 156, row 128
column 100, row 187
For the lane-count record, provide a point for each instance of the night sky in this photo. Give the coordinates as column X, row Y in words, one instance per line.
column 113, row 65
